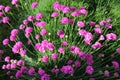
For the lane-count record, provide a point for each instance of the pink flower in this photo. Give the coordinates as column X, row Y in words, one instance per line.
column 118, row 50
column 83, row 11
column 56, row 5
column 88, row 38
column 102, row 23
column 7, row 59
column 61, row 50
column 109, row 26
column 3, row 66
column 54, row 56
column 92, row 23
column 81, row 24
column 24, row 69
column 45, row 59
column 67, row 69
column 43, row 32
column 25, row 21
column 82, row 55
column 82, row 32
column 41, row 72
column 96, row 45
column 22, row 27
column 66, row 9
column 69, row 61
column 34, row 5
column 89, row 70
column 23, row 52
column 2, row 7
column 8, row 66
column 102, row 37
column 64, row 43
column 18, row 74
column 73, row 8
column 74, row 14
column 77, row 64
column 20, row 63
column 45, row 77
column 41, row 24
column 5, row 42
column 116, row 74
column 71, row 21
column 14, row 32
column 31, row 71
column 64, row 20
column 97, row 30
column 115, row 64
column 28, row 30
column 39, row 16
column 1, row 14
column 14, row 2
column 13, row 66
column 37, row 36
column 55, row 14
column 7, row 8
column 111, row 36
column 106, row 73
column 5, row 19
column 108, row 20
column 74, row 49
column 60, row 33
column 30, row 18
column 55, row 70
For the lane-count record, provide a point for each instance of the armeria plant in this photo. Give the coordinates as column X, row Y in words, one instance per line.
column 64, row 47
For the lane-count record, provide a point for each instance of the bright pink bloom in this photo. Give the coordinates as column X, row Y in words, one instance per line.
column 67, row 69
column 109, row 26
column 25, row 21
column 7, row 8
column 2, row 7
column 74, row 14
column 14, row 32
column 28, row 29
column 22, row 27
column 111, row 36
column 18, row 74
column 60, row 33
column 5, row 42
column 39, row 16
column 34, row 5
column 31, row 71
column 30, row 18
column 89, row 70
column 102, row 23
column 64, row 43
column 23, row 52
column 92, row 23
column 102, row 37
column 20, row 63
column 55, row 14
column 43, row 32
column 96, row 45
column 66, row 9
column 97, row 30
column 54, row 56
column 14, row 2
column 77, row 64
column 118, row 50
column 81, row 24
column 45, row 77
column 64, row 20
column 61, row 50
column 82, row 32
column 115, row 64
column 45, row 59
column 73, row 8
column 41, row 72
column 5, row 19
column 7, row 59
column 56, row 5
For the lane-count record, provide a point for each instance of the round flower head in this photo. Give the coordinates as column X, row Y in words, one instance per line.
column 77, row 64
column 109, row 26
column 64, row 43
column 7, row 8
column 97, row 30
column 43, row 32
column 14, row 2
column 66, row 9
column 45, row 77
column 64, row 20
column 67, row 69
column 31, row 71
column 13, row 66
column 34, row 5
column 1, row 14
column 39, row 16
column 73, row 8
column 5, row 20
column 42, row 24
column 82, row 32
column 69, row 61
column 115, row 64
column 3, row 66
column 55, row 70
column 41, row 72
column 30, row 18
column 55, row 14
column 20, row 63
column 108, row 20
column 71, row 21
column 74, row 14
column 45, row 59
column 116, row 74
column 37, row 36
column 22, row 27
column 14, row 32
column 56, row 5
column 106, row 73
column 25, row 21
column 54, row 56
column 83, row 11
column 7, row 59
column 81, row 24
column 5, row 42
column 18, row 74
column 8, row 66
column 89, row 70
column 102, row 23
column 24, row 69
column 61, row 50
column 92, row 23
column 23, row 52
column 28, row 29
column 102, row 37
column 2, row 7
column 60, row 33
column 118, row 50
column 111, row 36
column 12, row 38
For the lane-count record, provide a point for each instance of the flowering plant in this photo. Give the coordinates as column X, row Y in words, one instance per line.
column 63, row 47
